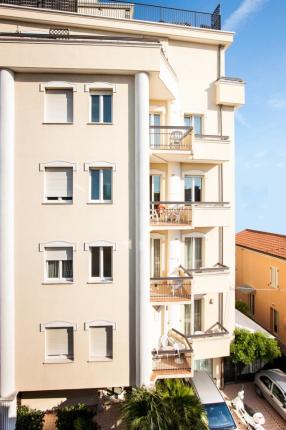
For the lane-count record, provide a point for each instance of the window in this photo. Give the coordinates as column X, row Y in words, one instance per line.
column 155, row 257
column 59, row 105
column 155, row 188
column 193, row 188
column 274, row 277
column 198, row 315
column 59, row 264
column 274, row 320
column 193, row 252
column 59, row 184
column 101, row 185
column 251, row 303
column 204, row 364
column 278, row 394
column 101, row 263
column 266, row 381
column 59, row 343
column 194, row 121
column 101, row 107
column 155, row 133
column 101, row 342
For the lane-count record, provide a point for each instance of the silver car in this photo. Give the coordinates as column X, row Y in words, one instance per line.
column 271, row 384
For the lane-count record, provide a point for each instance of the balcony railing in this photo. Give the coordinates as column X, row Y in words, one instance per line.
column 175, row 356
column 172, row 288
column 177, row 213
column 216, row 330
column 169, row 138
column 129, row 10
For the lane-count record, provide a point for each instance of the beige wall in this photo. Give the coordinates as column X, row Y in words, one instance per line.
column 79, row 223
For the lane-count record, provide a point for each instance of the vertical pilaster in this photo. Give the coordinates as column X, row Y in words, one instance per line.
column 144, row 320
column 7, row 306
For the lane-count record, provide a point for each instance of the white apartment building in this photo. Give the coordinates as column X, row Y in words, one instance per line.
column 116, row 198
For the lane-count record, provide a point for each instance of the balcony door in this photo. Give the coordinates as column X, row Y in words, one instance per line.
column 155, row 188
column 155, row 257
column 155, row 119
column 193, row 188
column 193, row 252
column 197, row 317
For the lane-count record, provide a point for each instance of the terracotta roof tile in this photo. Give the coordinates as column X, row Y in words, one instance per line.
column 268, row 243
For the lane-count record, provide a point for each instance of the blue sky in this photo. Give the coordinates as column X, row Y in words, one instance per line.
column 258, row 55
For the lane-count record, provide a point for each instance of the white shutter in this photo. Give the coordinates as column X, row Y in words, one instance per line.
column 59, row 106
column 58, row 182
column 101, row 341
column 274, row 277
column 59, row 254
column 59, row 342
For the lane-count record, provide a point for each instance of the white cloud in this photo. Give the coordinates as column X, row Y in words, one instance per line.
column 246, row 8
column 241, row 119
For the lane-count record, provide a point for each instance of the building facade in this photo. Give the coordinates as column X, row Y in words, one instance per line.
column 117, row 199
column 260, row 277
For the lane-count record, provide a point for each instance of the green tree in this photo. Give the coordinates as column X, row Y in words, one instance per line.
column 242, row 307
column 248, row 347
column 171, row 405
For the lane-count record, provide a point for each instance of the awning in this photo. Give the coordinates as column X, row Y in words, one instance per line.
column 247, row 289
column 242, row 321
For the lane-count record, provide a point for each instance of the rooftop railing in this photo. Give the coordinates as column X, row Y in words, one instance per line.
column 128, row 10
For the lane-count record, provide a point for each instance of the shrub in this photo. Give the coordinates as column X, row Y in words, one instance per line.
column 242, row 307
column 76, row 417
column 29, row 419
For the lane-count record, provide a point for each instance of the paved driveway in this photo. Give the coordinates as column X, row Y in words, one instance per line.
column 273, row 421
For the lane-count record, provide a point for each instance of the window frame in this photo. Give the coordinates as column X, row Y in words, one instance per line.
column 57, row 165
column 101, row 185
column 57, row 85
column 273, row 314
column 100, row 93
column 100, row 244
column 193, row 176
column 192, row 121
column 95, row 324
column 56, row 244
column 194, row 236
column 274, row 277
column 55, row 325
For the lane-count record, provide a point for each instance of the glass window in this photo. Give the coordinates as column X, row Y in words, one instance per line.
column 193, row 188
column 101, row 108
column 155, row 188
column 274, row 320
column 193, row 252
column 59, row 105
column 59, row 264
column 206, row 365
column 155, row 133
column 194, row 121
column 101, row 262
column 198, row 315
column 59, row 343
column 101, row 185
column 278, row 394
column 266, row 381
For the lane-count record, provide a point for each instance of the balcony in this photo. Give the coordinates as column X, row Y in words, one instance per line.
column 230, row 92
column 180, row 215
column 170, row 138
column 124, row 9
column 211, row 148
column 212, row 343
column 173, row 359
column 171, row 289
column 210, row 279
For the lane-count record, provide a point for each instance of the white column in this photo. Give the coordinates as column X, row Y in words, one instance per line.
column 7, row 311
column 143, row 311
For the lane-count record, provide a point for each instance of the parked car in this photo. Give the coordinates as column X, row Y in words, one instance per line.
column 218, row 413
column 271, row 384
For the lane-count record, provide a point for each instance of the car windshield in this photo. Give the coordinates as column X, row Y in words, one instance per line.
column 219, row 416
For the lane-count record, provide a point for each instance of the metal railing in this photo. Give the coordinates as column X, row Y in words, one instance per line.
column 171, row 287
column 129, row 10
column 212, row 137
column 170, row 138
column 217, row 268
column 172, row 213
column 216, row 330
column 176, row 356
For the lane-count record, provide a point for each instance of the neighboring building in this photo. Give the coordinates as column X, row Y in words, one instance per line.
column 261, row 279
column 117, row 197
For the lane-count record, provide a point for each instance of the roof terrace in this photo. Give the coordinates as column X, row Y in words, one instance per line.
column 128, row 10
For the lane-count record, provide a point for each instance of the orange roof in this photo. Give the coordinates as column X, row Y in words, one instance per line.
column 262, row 241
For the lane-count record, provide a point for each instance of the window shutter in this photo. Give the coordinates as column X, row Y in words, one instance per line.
column 58, row 182
column 59, row 341
column 56, row 254
column 101, row 342
column 59, row 105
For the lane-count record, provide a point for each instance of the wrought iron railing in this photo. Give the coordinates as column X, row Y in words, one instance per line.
column 172, row 287
column 171, row 213
column 129, row 10
column 170, row 138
